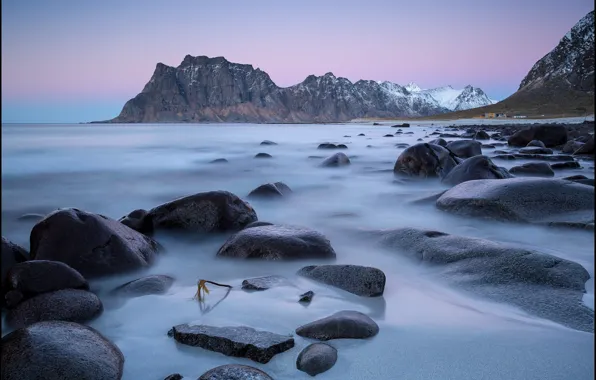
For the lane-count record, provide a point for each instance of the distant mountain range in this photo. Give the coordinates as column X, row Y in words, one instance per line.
column 203, row 89
column 560, row 84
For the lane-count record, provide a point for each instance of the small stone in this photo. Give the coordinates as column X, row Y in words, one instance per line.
column 263, row 283
column 306, row 297
column 316, row 358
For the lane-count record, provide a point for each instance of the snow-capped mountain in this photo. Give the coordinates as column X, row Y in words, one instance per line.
column 571, row 61
column 203, row 89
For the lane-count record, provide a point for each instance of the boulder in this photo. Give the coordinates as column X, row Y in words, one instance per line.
column 11, row 254
column 73, row 305
column 264, row 283
column 587, row 147
column 153, row 284
column 212, row 211
column 34, row 277
column 477, row 167
column 219, row 161
column 361, row 134
column 465, row 148
column 388, row 135
column 438, row 141
column 535, row 150
column 277, row 242
column 481, row 135
column 338, row 159
column 56, row 350
column 347, row 324
column 550, row 135
column 263, row 155
column 533, row 169
column 536, row 143
column 331, row 146
column 271, row 190
column 356, row 279
column 92, row 244
column 571, row 146
column 316, row 358
column 532, row 200
column 541, row 284
column 565, row 165
column 239, row 341
column 235, row 372
column 138, row 221
column 267, row 142
column 425, row 160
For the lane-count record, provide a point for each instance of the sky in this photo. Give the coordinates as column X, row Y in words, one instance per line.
column 69, row 61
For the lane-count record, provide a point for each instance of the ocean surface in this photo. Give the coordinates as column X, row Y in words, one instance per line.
column 428, row 330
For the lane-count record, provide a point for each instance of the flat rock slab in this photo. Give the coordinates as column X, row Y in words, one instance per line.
column 356, row 279
column 241, row 341
column 235, row 372
column 316, row 358
column 347, row 324
column 264, row 283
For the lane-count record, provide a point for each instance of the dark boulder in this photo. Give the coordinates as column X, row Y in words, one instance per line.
column 565, row 165
column 153, row 284
column 571, row 146
column 531, row 200
column 338, row 159
column 425, row 160
column 92, row 244
column 533, row 169
column 465, row 148
column 550, row 135
column 438, row 141
column 356, row 279
column 587, row 147
column 535, row 150
column 544, row 285
column 477, row 167
column 536, row 143
column 138, row 221
column 235, row 372
column 277, row 242
column 316, row 358
column 331, row 146
column 73, row 305
column 34, row 277
column 263, row 155
column 361, row 134
column 345, row 324
column 239, row 341
column 212, row 211
column 271, row 190
column 481, row 135
column 388, row 135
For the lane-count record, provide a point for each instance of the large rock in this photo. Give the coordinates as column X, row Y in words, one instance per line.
column 34, row 277
column 541, row 284
column 11, row 254
column 212, row 211
column 477, row 167
column 271, row 190
column 336, row 160
column 532, row 200
column 92, row 244
column 73, row 305
column 481, row 135
column 277, row 242
column 138, row 221
column 316, row 358
column 571, row 146
column 465, row 148
column 235, row 372
column 533, row 169
column 153, row 284
column 241, row 341
column 56, row 350
column 345, row 324
column 356, row 279
column 438, row 141
column 587, row 147
column 550, row 135
column 425, row 160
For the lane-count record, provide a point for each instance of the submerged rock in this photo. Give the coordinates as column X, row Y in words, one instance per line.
column 263, row 155
column 338, row 159
column 332, row 146
column 241, row 341
column 531, row 200
column 533, row 169
column 356, row 279
column 219, row 161
column 425, row 160
column 477, row 167
column 345, row 324
column 271, row 190
column 316, row 358
column 92, row 244
column 235, row 372
column 73, row 305
column 153, row 284
column 57, row 350
column 544, row 285
column 465, row 148
column 277, row 242
column 267, row 142
column 212, row 211
column 306, row 297
column 264, row 283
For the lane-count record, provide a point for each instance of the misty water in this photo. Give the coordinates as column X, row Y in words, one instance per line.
column 428, row 330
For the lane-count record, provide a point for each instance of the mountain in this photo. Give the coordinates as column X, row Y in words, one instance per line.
column 560, row 84
column 203, row 89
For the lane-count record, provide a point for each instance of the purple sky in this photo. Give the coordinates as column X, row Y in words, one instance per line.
column 75, row 60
